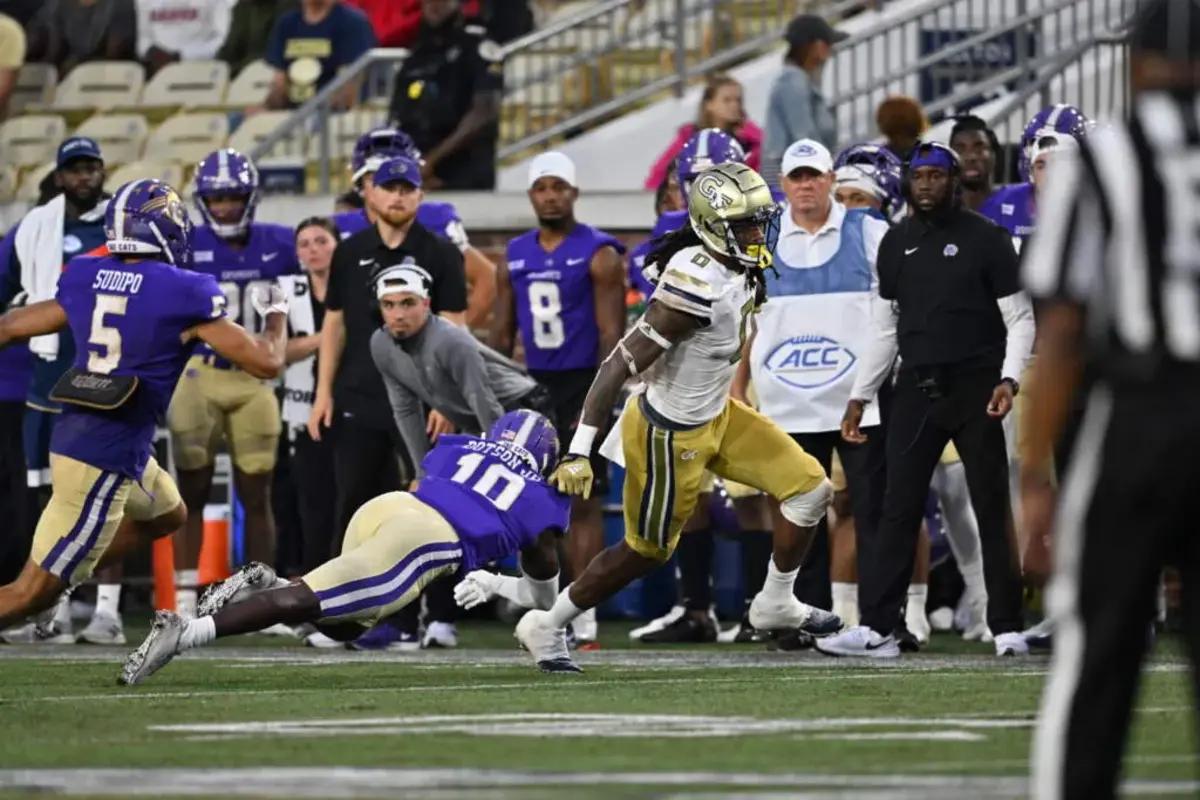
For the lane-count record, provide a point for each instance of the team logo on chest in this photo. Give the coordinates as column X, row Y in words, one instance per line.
column 809, row 362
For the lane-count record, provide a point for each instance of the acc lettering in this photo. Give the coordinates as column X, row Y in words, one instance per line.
column 809, row 362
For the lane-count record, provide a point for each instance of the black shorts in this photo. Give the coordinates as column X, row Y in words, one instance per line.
column 568, row 389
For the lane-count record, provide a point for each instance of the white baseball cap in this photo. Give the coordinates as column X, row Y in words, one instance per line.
column 806, row 153
column 852, row 176
column 403, row 279
column 552, row 164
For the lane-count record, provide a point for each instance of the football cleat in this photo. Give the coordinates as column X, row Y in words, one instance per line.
column 386, row 636
column 792, row 640
column 770, row 615
column 859, row 641
column 658, row 623
column 918, row 625
column 546, row 643
column 585, row 628
column 160, row 646
column 440, row 634
column 249, row 579
column 1040, row 636
column 102, row 629
column 1011, row 644
column 688, row 629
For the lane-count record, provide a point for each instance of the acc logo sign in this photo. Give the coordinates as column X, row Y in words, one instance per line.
column 809, row 362
column 709, row 187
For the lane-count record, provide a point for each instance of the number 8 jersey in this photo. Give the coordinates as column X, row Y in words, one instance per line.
column 555, row 302
column 491, row 495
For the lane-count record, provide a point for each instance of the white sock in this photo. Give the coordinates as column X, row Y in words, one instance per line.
column 185, row 592
column 198, row 633
column 845, row 602
column 918, row 593
column 108, row 599
column 62, row 610
column 779, row 585
column 563, row 610
column 972, row 575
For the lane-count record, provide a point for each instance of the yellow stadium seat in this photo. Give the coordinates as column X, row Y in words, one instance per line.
column 31, row 139
column 187, row 83
column 35, row 85
column 120, row 136
column 8, row 183
column 30, row 184
column 100, row 84
column 163, row 170
column 251, row 85
column 255, row 129
column 187, row 138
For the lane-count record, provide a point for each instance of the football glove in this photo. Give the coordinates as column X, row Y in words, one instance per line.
column 573, row 475
column 270, row 299
column 476, row 589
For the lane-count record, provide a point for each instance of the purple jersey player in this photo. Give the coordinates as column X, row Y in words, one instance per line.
column 136, row 314
column 480, row 500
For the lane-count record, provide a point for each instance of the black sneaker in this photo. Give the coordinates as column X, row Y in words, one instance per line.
column 795, row 639
column 907, row 642
column 687, row 629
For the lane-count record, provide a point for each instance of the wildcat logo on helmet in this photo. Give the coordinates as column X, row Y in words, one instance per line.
column 709, row 187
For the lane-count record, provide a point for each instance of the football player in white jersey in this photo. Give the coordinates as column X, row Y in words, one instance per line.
column 685, row 349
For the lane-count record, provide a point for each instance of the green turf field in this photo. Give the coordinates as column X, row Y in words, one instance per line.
column 265, row 718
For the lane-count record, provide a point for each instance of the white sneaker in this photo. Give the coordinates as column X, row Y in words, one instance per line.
column 322, row 642
column 769, row 614
column 278, row 629
column 971, row 619
column 655, row 625
column 440, row 634
column 918, row 625
column 585, row 627
column 942, row 619
column 859, row 641
column 157, row 651
column 546, row 643
column 1011, row 644
column 48, row 627
column 103, row 629
column 249, row 579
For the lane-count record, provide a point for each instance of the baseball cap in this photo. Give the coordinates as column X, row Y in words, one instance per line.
column 400, row 168
column 805, row 28
column 403, row 278
column 77, row 147
column 852, row 176
column 552, row 164
column 806, row 154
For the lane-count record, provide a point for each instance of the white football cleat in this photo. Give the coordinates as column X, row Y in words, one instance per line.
column 971, row 618
column 1011, row 644
column 859, row 641
column 546, row 643
column 942, row 619
column 918, row 625
column 157, row 651
column 249, row 579
column 585, row 627
column 278, row 629
column 103, row 629
column 768, row 614
column 655, row 625
column 440, row 634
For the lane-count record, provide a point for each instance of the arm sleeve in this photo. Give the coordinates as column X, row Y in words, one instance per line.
column 406, row 410
column 882, row 348
column 1064, row 261
column 450, row 285
column 273, row 54
column 1017, row 312
column 873, row 232
column 467, row 367
column 885, row 274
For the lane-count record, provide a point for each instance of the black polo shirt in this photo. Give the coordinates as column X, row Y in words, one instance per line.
column 357, row 387
column 945, row 276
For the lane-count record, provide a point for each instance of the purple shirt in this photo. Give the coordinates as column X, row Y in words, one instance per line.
column 1014, row 208
column 668, row 222
column 496, row 502
column 555, row 299
column 437, row 218
column 130, row 317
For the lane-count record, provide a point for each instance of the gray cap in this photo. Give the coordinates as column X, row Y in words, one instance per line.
column 805, row 28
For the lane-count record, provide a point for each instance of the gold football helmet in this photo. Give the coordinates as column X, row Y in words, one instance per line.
column 731, row 209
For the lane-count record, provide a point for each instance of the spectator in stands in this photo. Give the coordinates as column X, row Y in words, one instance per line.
column 901, row 121
column 68, row 32
column 180, row 30
column 12, row 56
column 720, row 107
column 245, row 42
column 308, row 46
column 505, row 19
column 447, row 97
column 796, row 109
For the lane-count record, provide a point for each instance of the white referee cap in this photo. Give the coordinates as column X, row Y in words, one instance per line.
column 852, row 176
column 552, row 164
column 403, row 279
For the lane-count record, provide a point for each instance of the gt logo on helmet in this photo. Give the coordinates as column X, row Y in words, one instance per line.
column 709, row 187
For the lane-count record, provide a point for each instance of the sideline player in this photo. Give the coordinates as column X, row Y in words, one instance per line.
column 686, row 348
column 136, row 314
column 563, row 288
column 480, row 500
column 215, row 399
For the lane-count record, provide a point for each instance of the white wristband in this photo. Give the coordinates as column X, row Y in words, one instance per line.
column 582, row 441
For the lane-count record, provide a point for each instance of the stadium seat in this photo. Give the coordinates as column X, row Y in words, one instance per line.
column 100, row 84
column 187, row 138
column 163, row 170
column 30, row 184
column 251, row 85
column 35, row 85
column 31, row 139
column 255, row 129
column 120, row 136
column 8, row 183
column 187, row 83
column 344, row 130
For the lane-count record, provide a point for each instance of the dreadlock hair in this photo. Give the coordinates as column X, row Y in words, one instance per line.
column 666, row 246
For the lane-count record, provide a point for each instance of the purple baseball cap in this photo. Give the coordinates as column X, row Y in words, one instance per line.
column 400, row 168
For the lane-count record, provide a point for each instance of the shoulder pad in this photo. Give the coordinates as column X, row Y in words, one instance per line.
column 685, row 283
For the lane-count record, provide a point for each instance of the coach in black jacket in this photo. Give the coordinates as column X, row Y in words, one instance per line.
column 950, row 302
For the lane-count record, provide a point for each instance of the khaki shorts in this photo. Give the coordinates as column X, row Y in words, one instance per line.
column 85, row 510
column 210, row 404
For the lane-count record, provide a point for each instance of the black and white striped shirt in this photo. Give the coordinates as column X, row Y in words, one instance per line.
column 1119, row 234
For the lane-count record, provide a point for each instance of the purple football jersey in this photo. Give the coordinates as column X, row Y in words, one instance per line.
column 669, row 221
column 128, row 319
column 270, row 252
column 554, row 298
column 438, row 218
column 495, row 501
column 1014, row 208
column 16, row 368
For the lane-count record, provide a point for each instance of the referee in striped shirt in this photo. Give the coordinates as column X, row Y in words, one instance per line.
column 1115, row 263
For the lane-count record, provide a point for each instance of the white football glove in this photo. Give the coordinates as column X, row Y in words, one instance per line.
column 476, row 589
column 270, row 299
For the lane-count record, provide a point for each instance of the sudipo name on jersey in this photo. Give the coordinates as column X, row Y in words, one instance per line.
column 114, row 280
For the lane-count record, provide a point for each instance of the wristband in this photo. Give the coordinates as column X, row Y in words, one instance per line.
column 582, row 441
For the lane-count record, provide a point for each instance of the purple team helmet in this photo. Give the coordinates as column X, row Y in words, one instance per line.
column 147, row 217
column 1058, row 118
column 705, row 149
column 227, row 172
column 880, row 168
column 375, row 147
column 531, row 434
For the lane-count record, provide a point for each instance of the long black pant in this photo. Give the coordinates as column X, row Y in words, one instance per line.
column 864, row 468
column 368, row 464
column 16, row 528
column 316, row 482
column 918, row 430
column 1127, row 508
